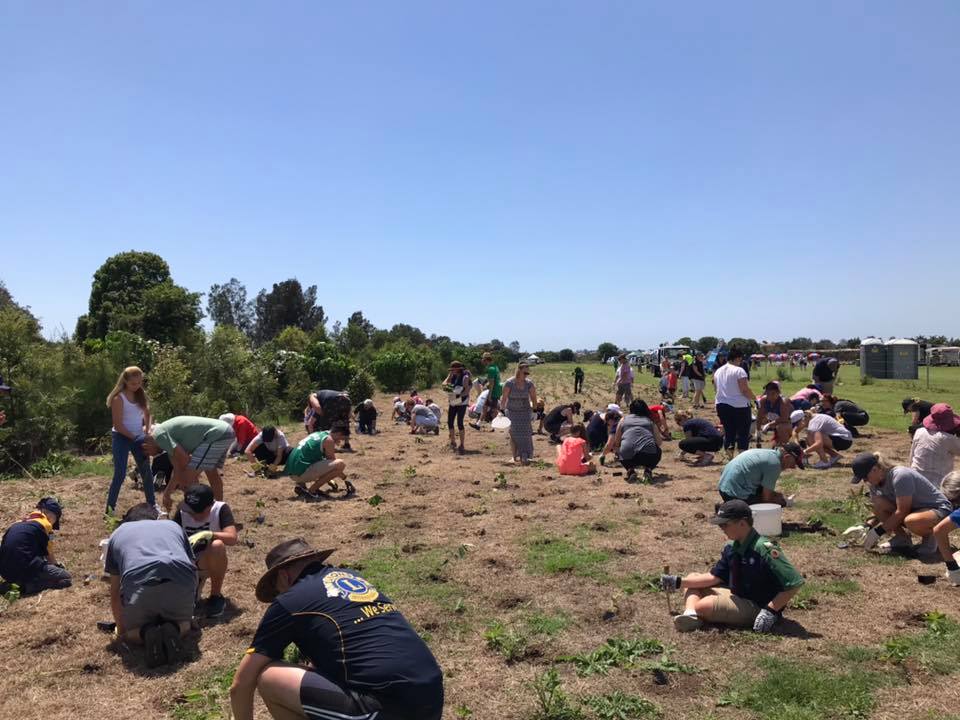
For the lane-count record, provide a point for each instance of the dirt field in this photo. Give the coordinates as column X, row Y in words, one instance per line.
column 464, row 543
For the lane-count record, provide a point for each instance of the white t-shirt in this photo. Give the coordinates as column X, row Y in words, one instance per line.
column 826, row 424
column 727, row 381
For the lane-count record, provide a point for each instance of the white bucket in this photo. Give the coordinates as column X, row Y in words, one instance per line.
column 767, row 519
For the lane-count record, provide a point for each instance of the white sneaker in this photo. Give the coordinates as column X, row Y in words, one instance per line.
column 687, row 623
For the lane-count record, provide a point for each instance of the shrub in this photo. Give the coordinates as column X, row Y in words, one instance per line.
column 866, row 379
column 784, row 374
column 169, row 386
column 327, row 368
column 361, row 386
column 394, row 370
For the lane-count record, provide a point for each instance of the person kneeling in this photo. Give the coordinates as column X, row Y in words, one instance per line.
column 211, row 528
column 749, row 586
column 153, row 583
column 315, row 461
column 365, row 661
column 26, row 552
column 573, row 455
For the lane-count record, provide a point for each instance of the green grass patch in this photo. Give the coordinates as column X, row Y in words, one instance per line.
column 549, row 555
column 420, row 575
column 796, row 690
column 546, row 624
column 641, row 653
column 811, row 592
column 620, row 706
column 837, row 515
column 640, row 582
column 61, row 463
column 935, row 650
column 206, row 701
column 506, row 641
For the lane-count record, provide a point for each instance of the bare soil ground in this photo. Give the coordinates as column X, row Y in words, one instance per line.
column 463, row 542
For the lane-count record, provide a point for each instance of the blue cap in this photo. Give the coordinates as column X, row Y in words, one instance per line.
column 51, row 504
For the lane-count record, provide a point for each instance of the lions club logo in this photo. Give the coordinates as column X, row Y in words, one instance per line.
column 349, row 587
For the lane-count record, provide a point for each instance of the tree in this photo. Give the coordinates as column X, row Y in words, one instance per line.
column 749, row 346
column 605, row 350
column 356, row 335
column 685, row 341
column 121, row 292
column 7, row 301
column 800, row 343
column 825, row 344
column 413, row 335
column 707, row 343
column 286, row 305
column 228, row 305
column 566, row 355
column 170, row 313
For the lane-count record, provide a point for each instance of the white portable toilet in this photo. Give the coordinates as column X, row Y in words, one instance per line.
column 873, row 358
column 903, row 359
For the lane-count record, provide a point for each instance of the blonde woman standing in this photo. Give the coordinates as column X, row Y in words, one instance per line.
column 131, row 417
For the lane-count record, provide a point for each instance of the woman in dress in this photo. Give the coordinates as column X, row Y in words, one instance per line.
column 519, row 396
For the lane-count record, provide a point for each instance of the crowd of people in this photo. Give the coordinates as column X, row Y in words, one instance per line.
column 160, row 557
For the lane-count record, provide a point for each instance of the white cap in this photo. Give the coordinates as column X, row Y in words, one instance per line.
column 228, row 418
column 614, row 408
column 796, row 416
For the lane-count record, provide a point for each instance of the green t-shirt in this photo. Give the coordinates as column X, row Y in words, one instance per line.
column 306, row 453
column 493, row 382
column 770, row 551
column 749, row 471
column 190, row 432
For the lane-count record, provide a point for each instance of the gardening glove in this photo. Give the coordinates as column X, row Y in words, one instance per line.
column 954, row 576
column 872, row 537
column 199, row 541
column 669, row 583
column 789, row 501
column 765, row 620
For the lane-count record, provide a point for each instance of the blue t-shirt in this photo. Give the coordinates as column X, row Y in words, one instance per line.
column 955, row 517
column 701, row 427
column 353, row 634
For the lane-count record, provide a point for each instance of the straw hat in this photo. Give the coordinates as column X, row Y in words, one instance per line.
column 284, row 554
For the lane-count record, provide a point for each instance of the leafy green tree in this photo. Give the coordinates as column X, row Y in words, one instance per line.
column 413, row 335
column 293, row 339
column 689, row 342
column 395, row 370
column 327, row 367
column 607, row 349
column 566, row 355
column 133, row 292
column 227, row 304
column 706, row 343
column 749, row 346
column 287, row 305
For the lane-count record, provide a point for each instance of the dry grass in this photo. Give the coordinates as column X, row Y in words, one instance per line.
column 460, row 549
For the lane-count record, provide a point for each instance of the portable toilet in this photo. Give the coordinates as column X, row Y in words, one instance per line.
column 903, row 359
column 873, row 358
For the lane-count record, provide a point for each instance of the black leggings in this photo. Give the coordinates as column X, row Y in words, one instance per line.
column 701, row 444
column 736, row 425
column 841, row 443
column 264, row 454
column 456, row 412
column 855, row 419
column 648, row 460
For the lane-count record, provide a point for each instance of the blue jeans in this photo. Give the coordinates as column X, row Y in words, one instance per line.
column 122, row 447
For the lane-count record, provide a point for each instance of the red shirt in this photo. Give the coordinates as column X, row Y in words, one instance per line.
column 245, row 430
column 672, row 380
column 657, row 412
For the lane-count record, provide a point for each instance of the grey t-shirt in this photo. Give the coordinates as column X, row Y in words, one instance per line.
column 903, row 481
column 637, row 436
column 148, row 552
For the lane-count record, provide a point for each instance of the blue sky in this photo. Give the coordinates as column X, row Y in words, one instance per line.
column 557, row 173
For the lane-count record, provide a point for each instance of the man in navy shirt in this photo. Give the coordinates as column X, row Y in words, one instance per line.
column 749, row 586
column 366, row 660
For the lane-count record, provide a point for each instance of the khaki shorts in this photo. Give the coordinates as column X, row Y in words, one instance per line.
column 316, row 470
column 730, row 609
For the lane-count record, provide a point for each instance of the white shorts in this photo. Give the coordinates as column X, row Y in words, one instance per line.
column 429, row 421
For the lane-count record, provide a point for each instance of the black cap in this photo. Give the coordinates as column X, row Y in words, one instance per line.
column 731, row 510
column 51, row 504
column 198, row 497
column 862, row 464
column 791, row 448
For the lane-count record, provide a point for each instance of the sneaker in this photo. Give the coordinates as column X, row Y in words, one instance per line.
column 475, row 426
column 161, row 513
column 898, row 542
column 647, row 475
column 705, row 460
column 632, row 476
column 215, row 606
column 822, row 465
column 153, row 653
column 687, row 623
column 833, row 461
column 350, row 488
column 172, row 643
column 302, row 491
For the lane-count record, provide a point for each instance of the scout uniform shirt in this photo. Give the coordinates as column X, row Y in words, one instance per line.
column 352, row 634
column 756, row 569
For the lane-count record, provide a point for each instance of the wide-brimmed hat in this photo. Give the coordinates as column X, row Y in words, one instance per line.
column 281, row 556
column 456, row 365
column 941, row 419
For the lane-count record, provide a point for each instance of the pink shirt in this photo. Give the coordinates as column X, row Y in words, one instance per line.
column 570, row 460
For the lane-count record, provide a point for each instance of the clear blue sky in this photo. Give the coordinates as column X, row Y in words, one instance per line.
column 557, row 173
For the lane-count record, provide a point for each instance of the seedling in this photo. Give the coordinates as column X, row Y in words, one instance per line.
column 375, row 500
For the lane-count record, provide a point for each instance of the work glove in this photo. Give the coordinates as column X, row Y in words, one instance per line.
column 200, row 540
column 789, row 502
column 954, row 576
column 872, row 537
column 669, row 583
column 765, row 620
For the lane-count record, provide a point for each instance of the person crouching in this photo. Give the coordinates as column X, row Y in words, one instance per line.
column 749, row 586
